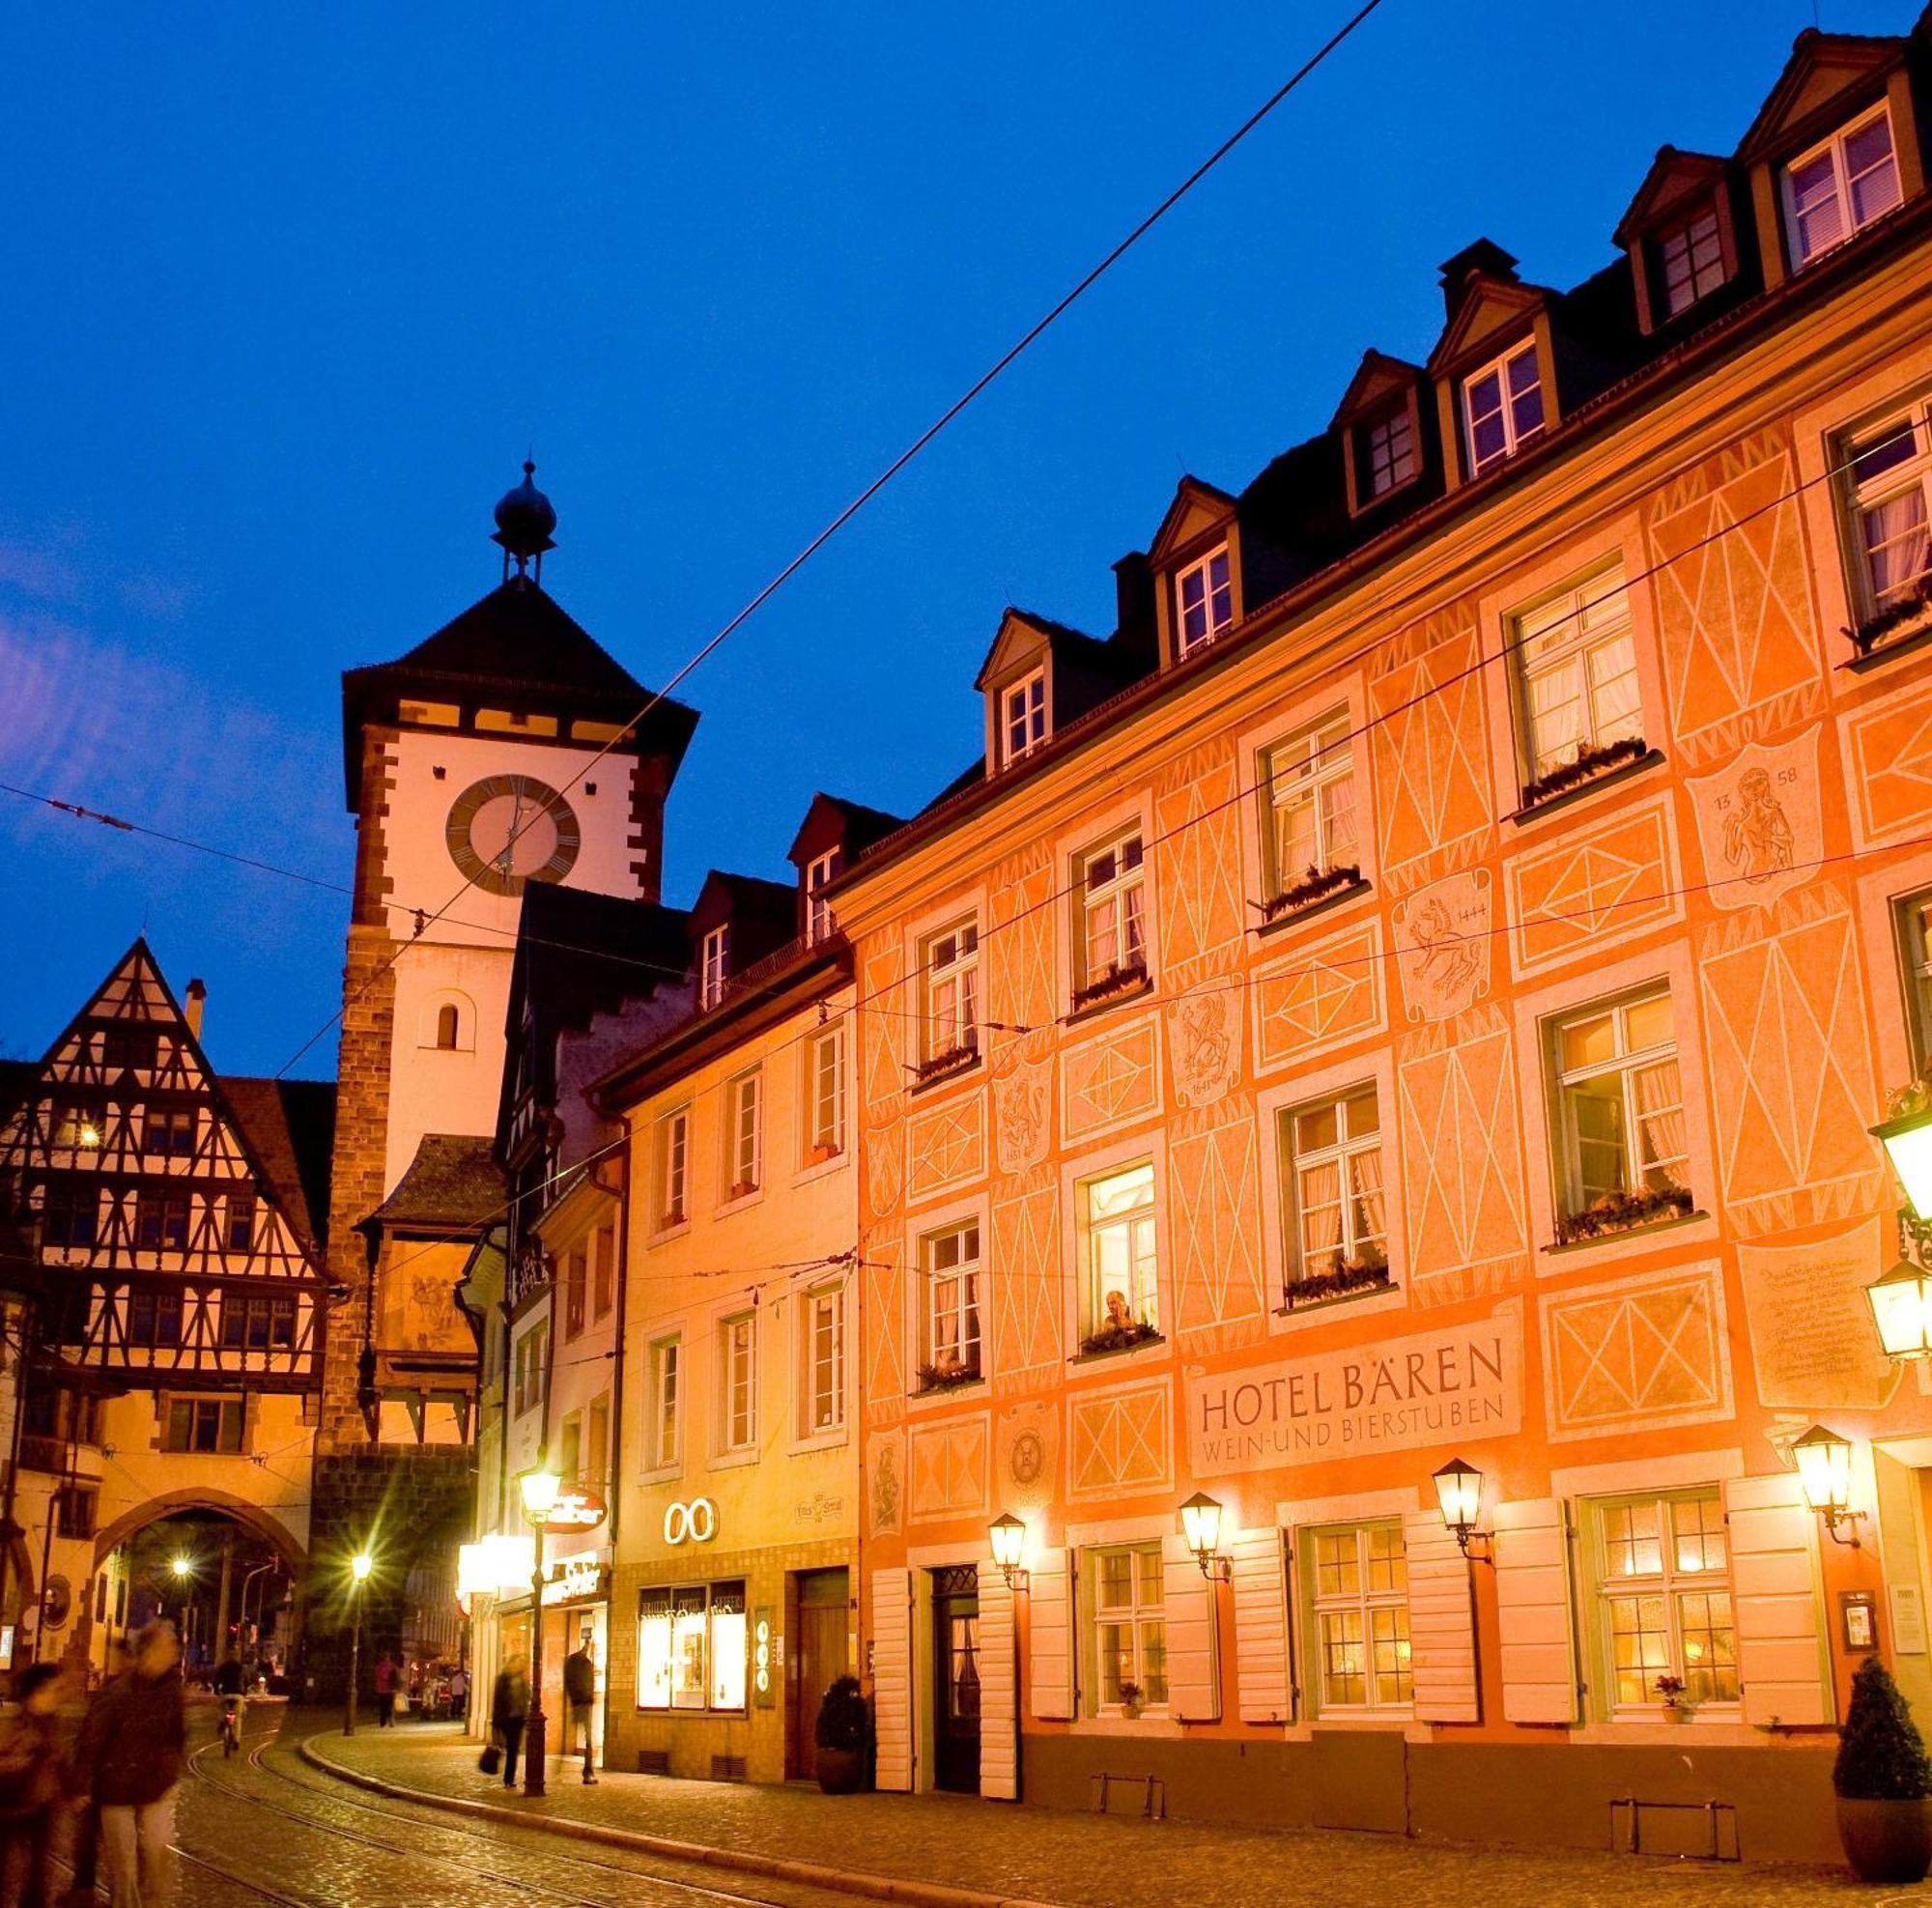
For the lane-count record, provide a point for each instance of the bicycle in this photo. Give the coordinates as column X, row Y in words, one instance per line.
column 231, row 1725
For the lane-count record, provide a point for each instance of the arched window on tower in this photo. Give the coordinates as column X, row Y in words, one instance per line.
column 446, row 1023
column 449, row 1024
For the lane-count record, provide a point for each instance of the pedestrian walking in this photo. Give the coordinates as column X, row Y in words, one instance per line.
column 80, row 1892
column 509, row 1705
column 580, row 1697
column 30, row 1785
column 385, row 1691
column 129, row 1758
column 459, row 1693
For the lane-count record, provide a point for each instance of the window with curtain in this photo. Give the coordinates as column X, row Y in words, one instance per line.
column 666, row 1356
column 1023, row 715
column 1119, row 1243
column 822, row 1360
column 743, row 1100
column 951, row 1016
column 1111, row 938
column 952, row 1304
column 1886, row 475
column 1663, row 1599
column 1203, row 595
column 1128, row 1617
column 1577, row 659
column 673, row 1153
column 1912, row 923
column 1502, row 408
column 825, row 1092
column 1840, row 186
column 1333, row 1153
column 1358, row 1582
column 1308, row 794
column 737, row 1386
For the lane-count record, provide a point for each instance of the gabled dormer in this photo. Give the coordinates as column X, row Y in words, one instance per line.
column 1681, row 232
column 1495, row 366
column 736, row 922
column 1196, row 559
column 833, row 835
column 1833, row 149
column 1380, row 424
column 1039, row 675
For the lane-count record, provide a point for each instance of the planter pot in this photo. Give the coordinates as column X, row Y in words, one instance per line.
column 841, row 1771
column 1887, row 1841
column 1675, row 1712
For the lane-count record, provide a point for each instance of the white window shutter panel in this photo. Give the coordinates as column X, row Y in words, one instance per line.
column 1782, row 1662
column 892, row 1676
column 1533, row 1611
column 1441, row 1623
column 1264, row 1664
column 1051, row 1658
column 1193, row 1658
column 998, row 1699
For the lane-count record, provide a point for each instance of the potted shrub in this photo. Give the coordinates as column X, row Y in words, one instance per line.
column 1671, row 1689
column 1882, row 1780
column 843, row 1735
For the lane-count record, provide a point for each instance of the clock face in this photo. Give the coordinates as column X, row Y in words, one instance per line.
column 509, row 828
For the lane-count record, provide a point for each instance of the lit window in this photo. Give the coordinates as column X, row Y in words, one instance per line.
column 1912, row 920
column 1664, row 1599
column 1577, row 661
column 1890, row 472
column 1840, row 186
column 714, row 965
column 1385, row 452
column 952, row 994
column 1205, row 595
column 1308, row 795
column 822, row 1357
column 737, row 1383
column 1621, row 1145
column 1023, row 713
column 820, row 925
column 1123, row 1297
column 1690, row 261
column 742, row 1102
column 1502, row 408
column 691, row 1647
column 952, row 1305
column 1359, row 1594
column 673, row 1149
column 666, row 1356
column 825, row 1089
column 1333, row 1153
column 211, row 1425
column 1112, row 942
column 77, row 1128
column 1129, row 1634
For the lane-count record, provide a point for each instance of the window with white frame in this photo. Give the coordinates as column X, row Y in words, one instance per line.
column 820, row 925
column 692, row 1647
column 1111, row 945
column 1912, row 925
column 1128, row 1618
column 1332, row 1153
column 1119, row 1240
column 738, row 1383
column 1023, row 715
column 1502, row 406
column 1308, row 804
column 1385, row 452
column 951, row 1016
column 822, row 1350
column 1577, row 661
column 1663, row 1599
column 744, row 1133
column 1204, row 597
column 673, row 1167
column 1690, row 260
column 825, row 1093
column 667, row 1400
column 1888, row 475
column 714, row 964
column 1623, row 1154
column 1839, row 186
column 952, row 1305
column 1358, row 1600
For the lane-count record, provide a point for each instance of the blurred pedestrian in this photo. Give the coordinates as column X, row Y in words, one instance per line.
column 459, row 1693
column 509, row 1705
column 30, row 1784
column 579, row 1697
column 129, row 1759
column 87, row 1825
column 385, row 1691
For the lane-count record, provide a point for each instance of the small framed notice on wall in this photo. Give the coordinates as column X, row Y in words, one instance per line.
column 1858, row 1619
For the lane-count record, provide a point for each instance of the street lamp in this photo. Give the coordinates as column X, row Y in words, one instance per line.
column 360, row 1567
column 1008, row 1540
column 1459, row 1491
column 1201, row 1523
column 1824, row 1462
column 540, row 1488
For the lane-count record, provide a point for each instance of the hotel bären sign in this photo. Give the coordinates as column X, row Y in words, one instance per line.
column 1437, row 1388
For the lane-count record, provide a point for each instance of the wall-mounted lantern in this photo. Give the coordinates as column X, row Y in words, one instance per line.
column 1459, row 1491
column 1901, row 1300
column 1824, row 1462
column 1901, row 1303
column 1008, row 1535
column 1201, row 1523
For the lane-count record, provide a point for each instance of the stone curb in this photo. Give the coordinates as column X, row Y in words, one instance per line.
column 814, row 1874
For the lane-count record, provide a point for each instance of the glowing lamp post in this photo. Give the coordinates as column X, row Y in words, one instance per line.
column 360, row 1567
column 1459, row 1491
column 1008, row 1539
column 1200, row 1525
column 540, row 1489
column 1824, row 1462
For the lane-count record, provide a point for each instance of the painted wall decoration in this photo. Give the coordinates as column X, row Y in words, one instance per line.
column 1214, row 1187
column 1444, row 946
column 1759, row 822
column 1462, row 1149
column 886, row 1373
column 1109, row 1080
column 1433, row 1387
column 1789, row 1052
column 1027, row 1442
column 1027, row 1328
column 1812, row 1340
column 1590, row 890
column 1637, row 1353
column 419, row 1313
column 885, row 1168
column 885, row 1467
column 1023, row 1112
column 946, row 1145
column 1733, row 598
column 882, row 1044
column 1319, row 997
column 1889, row 766
column 1017, row 948
column 1197, row 860
column 1119, row 1440
column 1204, row 1040
column 949, row 1467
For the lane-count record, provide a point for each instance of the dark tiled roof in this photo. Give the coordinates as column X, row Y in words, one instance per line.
column 452, row 1184
column 291, row 1126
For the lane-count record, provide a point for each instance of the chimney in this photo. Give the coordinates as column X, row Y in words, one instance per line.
column 1485, row 257
column 1133, row 603
column 197, row 999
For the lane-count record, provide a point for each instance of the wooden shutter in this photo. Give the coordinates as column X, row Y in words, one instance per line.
column 1533, row 1613
column 1263, row 1666
column 892, row 1676
column 1442, row 1622
column 998, row 1699
column 1193, row 1658
column 1052, row 1655
column 1782, row 1662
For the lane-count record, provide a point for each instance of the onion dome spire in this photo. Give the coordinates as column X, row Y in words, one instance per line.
column 524, row 521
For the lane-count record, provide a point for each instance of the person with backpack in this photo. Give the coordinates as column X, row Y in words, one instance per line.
column 509, row 1705
column 30, row 1784
column 130, row 1761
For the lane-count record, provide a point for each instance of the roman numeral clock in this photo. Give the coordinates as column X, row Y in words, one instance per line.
column 509, row 828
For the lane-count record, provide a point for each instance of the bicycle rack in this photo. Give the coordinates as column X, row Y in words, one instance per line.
column 1712, row 1812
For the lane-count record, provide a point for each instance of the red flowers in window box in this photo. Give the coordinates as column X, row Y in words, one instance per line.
column 1591, row 763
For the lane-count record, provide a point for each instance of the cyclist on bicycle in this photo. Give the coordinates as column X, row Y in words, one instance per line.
column 229, row 1684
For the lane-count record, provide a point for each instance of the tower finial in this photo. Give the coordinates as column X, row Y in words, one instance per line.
column 524, row 521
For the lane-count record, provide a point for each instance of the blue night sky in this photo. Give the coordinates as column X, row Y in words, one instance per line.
column 291, row 290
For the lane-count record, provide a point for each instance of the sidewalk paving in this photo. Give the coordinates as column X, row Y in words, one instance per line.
column 1002, row 1853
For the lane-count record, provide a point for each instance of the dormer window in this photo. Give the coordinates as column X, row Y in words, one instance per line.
column 1840, row 186
column 1023, row 715
column 1385, row 452
column 819, row 922
column 1689, row 261
column 1206, row 596
column 1502, row 406
column 715, row 962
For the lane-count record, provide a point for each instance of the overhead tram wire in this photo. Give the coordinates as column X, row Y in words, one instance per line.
column 871, row 490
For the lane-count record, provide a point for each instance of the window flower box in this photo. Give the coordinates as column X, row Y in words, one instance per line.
column 952, row 1061
column 1589, row 764
column 674, row 1218
column 819, row 1155
column 742, row 1189
column 945, row 1378
column 1110, row 985
column 1347, row 1280
column 1121, row 1337
column 1316, row 885
column 1624, row 1212
column 1904, row 616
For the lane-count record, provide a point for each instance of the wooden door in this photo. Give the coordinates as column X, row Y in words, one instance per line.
column 819, row 1644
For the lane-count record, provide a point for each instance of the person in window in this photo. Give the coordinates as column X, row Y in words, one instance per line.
column 509, row 1706
column 1118, row 1316
column 129, row 1758
column 580, row 1693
